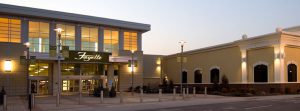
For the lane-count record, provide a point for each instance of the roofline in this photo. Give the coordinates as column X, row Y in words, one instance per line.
column 229, row 44
column 56, row 15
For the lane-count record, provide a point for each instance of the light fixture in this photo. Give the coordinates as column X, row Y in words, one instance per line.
column 59, row 30
column 27, row 44
column 7, row 66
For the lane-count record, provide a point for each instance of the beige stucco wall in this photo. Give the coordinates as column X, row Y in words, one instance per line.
column 152, row 69
column 227, row 59
column 257, row 56
column 292, row 55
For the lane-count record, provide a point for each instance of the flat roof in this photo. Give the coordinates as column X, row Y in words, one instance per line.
column 64, row 16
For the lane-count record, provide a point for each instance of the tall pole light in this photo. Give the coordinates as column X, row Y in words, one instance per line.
column 58, row 30
column 27, row 44
column 132, row 71
column 181, row 63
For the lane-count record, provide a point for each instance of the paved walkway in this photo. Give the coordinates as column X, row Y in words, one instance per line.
column 131, row 103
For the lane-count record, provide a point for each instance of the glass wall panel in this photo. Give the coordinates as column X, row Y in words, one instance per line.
column 67, row 69
column 39, row 36
column 67, row 35
column 10, row 30
column 111, row 41
column 130, row 41
column 39, row 69
column 89, row 69
column 89, row 38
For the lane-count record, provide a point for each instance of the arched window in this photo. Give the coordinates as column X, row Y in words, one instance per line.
column 197, row 76
column 184, row 77
column 214, row 75
column 261, row 73
column 292, row 73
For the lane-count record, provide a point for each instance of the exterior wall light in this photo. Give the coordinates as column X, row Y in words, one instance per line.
column 7, row 66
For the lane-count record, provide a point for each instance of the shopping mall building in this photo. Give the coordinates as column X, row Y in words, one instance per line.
column 96, row 51
column 268, row 62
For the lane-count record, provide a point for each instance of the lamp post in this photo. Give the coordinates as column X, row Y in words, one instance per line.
column 181, row 63
column 27, row 44
column 132, row 71
column 58, row 30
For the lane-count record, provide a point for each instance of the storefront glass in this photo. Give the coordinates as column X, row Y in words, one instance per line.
column 111, row 41
column 39, row 36
column 89, row 38
column 39, row 69
column 10, row 30
column 67, row 35
column 130, row 41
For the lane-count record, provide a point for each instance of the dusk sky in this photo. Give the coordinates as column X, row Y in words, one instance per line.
column 201, row 23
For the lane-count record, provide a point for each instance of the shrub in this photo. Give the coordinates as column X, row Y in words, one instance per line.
column 112, row 92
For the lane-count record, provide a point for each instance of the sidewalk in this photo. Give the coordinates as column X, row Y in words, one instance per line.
column 131, row 103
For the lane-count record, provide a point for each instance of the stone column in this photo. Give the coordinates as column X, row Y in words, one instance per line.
column 110, row 75
column 52, row 34
column 78, row 37
column 121, row 40
column 55, row 79
column 139, row 41
column 24, row 30
column 244, row 65
column 279, row 63
column 100, row 39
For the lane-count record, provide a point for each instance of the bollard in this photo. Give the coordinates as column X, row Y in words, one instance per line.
column 4, row 103
column 183, row 93
column 121, row 97
column 174, row 94
column 194, row 91
column 159, row 95
column 187, row 92
column 80, row 96
column 57, row 100
column 101, row 96
column 205, row 91
column 32, row 101
column 141, row 95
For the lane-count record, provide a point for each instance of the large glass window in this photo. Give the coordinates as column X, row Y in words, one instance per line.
column 89, row 38
column 111, row 41
column 10, row 30
column 68, row 69
column 39, row 69
column 84, row 69
column 67, row 35
column 39, row 36
column 130, row 41
column 90, row 69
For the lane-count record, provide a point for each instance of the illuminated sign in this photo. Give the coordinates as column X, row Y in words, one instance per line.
column 88, row 56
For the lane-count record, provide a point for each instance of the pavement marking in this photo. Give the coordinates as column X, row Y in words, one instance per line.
column 258, row 107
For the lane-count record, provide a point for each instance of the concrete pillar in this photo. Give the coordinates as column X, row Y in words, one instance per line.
column 24, row 30
column 55, row 79
column 139, row 41
column 244, row 66
column 279, row 63
column 77, row 37
column 100, row 39
column 52, row 34
column 110, row 75
column 121, row 40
